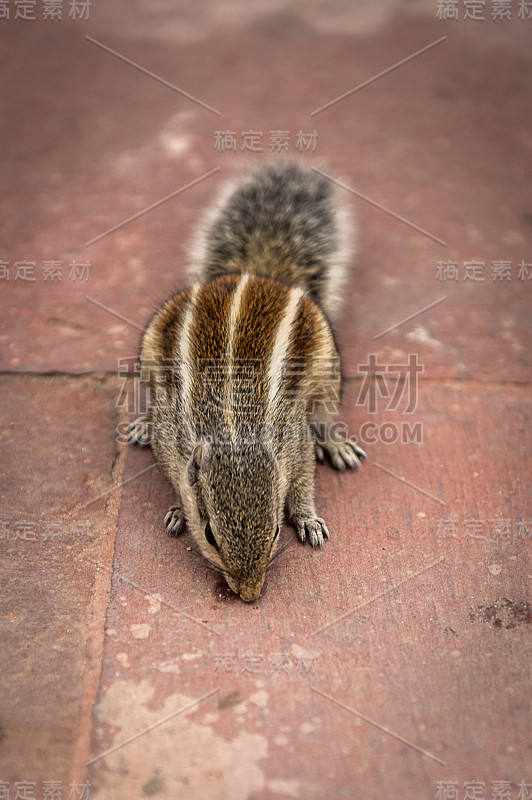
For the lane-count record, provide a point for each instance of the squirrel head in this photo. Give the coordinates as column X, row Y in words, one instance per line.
column 239, row 492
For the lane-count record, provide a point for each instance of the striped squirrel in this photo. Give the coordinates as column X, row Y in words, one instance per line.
column 244, row 374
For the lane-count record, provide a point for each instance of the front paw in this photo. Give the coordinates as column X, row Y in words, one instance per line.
column 175, row 521
column 344, row 454
column 139, row 432
column 313, row 527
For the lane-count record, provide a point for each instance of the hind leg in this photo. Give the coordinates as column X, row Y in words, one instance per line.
column 331, row 438
column 342, row 452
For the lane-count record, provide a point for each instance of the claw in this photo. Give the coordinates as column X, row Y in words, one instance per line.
column 175, row 521
column 313, row 527
column 320, row 455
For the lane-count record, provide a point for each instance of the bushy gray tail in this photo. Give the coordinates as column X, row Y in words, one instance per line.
column 283, row 221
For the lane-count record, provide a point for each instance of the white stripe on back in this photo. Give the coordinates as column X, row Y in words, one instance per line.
column 187, row 372
column 231, row 335
column 281, row 344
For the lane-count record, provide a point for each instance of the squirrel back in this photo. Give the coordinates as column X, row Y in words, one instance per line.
column 283, row 222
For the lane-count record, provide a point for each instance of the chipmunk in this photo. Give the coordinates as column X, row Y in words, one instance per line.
column 244, row 373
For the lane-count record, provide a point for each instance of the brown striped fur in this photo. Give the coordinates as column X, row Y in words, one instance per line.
column 244, row 376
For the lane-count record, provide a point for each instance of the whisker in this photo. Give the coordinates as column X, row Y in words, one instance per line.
column 213, row 565
column 279, row 552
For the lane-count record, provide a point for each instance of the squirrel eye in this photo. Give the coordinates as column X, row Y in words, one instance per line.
column 210, row 537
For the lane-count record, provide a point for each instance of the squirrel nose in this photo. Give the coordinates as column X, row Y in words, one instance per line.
column 251, row 593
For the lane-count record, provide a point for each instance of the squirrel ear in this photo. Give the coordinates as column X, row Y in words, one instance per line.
column 194, row 466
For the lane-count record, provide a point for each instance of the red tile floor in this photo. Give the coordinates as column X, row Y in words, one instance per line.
column 395, row 662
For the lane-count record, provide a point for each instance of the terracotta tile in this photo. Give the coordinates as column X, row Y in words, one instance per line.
column 424, row 142
column 424, row 585
column 390, row 617
column 58, row 452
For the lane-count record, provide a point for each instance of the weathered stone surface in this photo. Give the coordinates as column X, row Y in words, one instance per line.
column 414, row 616
column 58, row 452
column 389, row 617
column 425, row 142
